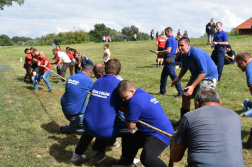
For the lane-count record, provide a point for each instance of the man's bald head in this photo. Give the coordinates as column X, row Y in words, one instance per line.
column 99, row 70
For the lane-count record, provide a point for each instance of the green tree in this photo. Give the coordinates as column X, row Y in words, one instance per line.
column 233, row 32
column 17, row 39
column 9, row 3
column 5, row 40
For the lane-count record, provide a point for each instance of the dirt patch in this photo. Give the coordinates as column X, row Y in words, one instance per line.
column 7, row 96
column 9, row 101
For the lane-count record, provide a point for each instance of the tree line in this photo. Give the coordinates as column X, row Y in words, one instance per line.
column 76, row 37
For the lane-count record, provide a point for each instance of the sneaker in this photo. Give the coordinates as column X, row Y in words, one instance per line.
column 122, row 164
column 242, row 114
column 116, row 144
column 77, row 157
column 35, row 90
column 178, row 95
column 135, row 161
column 61, row 83
column 50, row 91
column 61, row 129
column 97, row 158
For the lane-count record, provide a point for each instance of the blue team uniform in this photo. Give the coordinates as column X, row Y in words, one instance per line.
column 248, row 71
column 218, row 53
column 199, row 62
column 169, row 68
column 142, row 106
column 101, row 114
column 74, row 101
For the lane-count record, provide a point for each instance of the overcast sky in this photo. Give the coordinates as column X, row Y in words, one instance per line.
column 40, row 17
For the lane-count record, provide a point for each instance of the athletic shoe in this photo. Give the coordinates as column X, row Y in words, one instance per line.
column 61, row 83
column 178, row 95
column 35, row 90
column 122, row 164
column 97, row 158
column 77, row 157
column 116, row 144
column 135, row 161
column 242, row 114
column 50, row 91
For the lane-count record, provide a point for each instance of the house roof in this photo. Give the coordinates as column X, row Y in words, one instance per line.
column 245, row 25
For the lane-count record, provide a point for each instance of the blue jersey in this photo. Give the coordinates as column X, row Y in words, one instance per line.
column 142, row 106
column 171, row 42
column 100, row 119
column 75, row 97
column 248, row 71
column 199, row 62
column 220, row 37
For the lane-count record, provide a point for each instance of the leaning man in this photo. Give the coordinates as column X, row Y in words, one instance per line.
column 74, row 100
column 212, row 134
column 45, row 73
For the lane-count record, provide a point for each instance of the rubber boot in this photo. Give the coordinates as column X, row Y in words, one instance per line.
column 182, row 112
column 248, row 144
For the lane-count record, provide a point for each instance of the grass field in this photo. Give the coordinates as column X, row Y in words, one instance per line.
column 29, row 134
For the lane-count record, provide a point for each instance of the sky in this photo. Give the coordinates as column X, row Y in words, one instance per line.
column 40, row 17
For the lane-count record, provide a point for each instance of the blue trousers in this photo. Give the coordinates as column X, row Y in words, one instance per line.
column 169, row 70
column 247, row 104
column 39, row 76
column 218, row 58
column 75, row 125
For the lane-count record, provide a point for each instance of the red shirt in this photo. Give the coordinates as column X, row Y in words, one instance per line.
column 27, row 61
column 42, row 62
column 70, row 55
column 161, row 42
column 56, row 58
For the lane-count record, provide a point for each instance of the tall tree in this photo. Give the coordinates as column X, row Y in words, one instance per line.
column 5, row 40
column 9, row 3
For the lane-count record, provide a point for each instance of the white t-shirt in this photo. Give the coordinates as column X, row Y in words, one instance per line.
column 64, row 57
column 105, row 55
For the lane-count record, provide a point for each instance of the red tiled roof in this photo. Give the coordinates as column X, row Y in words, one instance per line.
column 245, row 25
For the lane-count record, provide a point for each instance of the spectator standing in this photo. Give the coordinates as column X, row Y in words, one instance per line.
column 210, row 30
column 178, row 35
column 161, row 45
column 124, row 38
column 107, row 54
column 152, row 34
column 219, row 44
column 157, row 34
column 185, row 34
column 135, row 37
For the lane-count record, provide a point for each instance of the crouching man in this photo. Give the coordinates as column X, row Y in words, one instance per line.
column 212, row 134
column 142, row 106
column 74, row 100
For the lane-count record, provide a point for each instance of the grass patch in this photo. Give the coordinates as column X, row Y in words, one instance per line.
column 29, row 134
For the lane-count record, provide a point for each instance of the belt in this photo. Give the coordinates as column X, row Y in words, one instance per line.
column 218, row 48
column 71, row 114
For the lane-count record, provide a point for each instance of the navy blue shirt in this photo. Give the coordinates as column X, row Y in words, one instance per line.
column 100, row 119
column 142, row 106
column 199, row 62
column 220, row 37
column 75, row 97
column 230, row 54
column 248, row 71
column 171, row 42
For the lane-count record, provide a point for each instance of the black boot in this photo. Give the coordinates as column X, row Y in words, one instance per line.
column 182, row 112
column 248, row 144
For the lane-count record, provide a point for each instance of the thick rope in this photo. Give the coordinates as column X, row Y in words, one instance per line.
column 56, row 74
column 156, row 129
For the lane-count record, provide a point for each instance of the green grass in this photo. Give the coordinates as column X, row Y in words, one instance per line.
column 29, row 121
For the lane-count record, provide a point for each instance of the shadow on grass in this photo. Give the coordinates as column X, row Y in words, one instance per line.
column 244, row 133
column 239, row 112
column 51, row 127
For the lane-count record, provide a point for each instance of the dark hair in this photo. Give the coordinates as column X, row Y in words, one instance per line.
column 168, row 29
column 228, row 46
column 26, row 50
column 31, row 48
column 71, row 49
column 207, row 95
column 113, row 67
column 107, row 45
column 67, row 48
column 58, row 46
column 100, row 69
column 124, row 86
column 55, row 50
column 185, row 39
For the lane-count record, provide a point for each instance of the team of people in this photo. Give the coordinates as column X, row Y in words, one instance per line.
column 115, row 105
